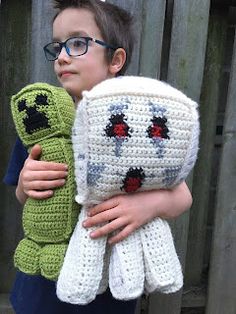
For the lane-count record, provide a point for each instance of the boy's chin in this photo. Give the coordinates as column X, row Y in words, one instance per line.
column 74, row 92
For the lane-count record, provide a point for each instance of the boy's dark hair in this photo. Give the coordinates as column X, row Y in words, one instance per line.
column 114, row 23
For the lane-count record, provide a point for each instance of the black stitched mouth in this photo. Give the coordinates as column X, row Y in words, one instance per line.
column 133, row 180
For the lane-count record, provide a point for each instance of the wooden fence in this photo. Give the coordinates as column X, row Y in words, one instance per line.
column 190, row 44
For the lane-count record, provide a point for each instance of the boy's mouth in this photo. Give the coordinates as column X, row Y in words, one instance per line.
column 65, row 74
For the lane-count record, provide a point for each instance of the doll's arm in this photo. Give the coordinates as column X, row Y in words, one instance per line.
column 159, row 265
column 127, row 255
column 80, row 278
column 126, row 268
column 147, row 258
column 162, row 267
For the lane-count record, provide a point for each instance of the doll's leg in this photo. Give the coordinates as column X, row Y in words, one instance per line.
column 26, row 257
column 51, row 258
column 104, row 283
column 162, row 267
column 81, row 272
column 126, row 269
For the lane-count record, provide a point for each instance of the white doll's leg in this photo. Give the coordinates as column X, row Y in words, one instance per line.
column 126, row 269
column 81, row 272
column 104, row 283
column 162, row 267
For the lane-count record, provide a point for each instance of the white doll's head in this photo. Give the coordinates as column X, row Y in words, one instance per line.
column 132, row 134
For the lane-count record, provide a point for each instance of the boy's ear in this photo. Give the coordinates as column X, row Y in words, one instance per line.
column 118, row 61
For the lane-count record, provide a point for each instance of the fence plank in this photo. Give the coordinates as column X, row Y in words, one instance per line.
column 135, row 7
column 185, row 71
column 186, row 66
column 188, row 45
column 41, row 69
column 222, row 282
column 14, row 64
column 152, row 37
column 202, row 174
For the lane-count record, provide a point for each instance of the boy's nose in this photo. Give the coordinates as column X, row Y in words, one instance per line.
column 63, row 55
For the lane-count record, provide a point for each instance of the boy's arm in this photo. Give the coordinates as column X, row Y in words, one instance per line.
column 38, row 178
column 126, row 213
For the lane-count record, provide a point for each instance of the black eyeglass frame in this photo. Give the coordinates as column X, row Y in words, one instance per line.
column 64, row 44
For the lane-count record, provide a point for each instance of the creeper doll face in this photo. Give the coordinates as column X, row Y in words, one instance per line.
column 137, row 134
column 41, row 111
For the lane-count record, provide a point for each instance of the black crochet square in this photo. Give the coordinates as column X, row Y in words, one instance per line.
column 117, row 127
column 158, row 128
column 34, row 120
column 133, row 180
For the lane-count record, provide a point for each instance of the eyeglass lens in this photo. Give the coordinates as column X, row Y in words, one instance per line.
column 74, row 47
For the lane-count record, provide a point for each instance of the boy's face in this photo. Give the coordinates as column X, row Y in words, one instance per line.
column 77, row 74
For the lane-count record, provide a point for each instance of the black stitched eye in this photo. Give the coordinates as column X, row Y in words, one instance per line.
column 22, row 105
column 41, row 100
column 158, row 128
column 118, row 127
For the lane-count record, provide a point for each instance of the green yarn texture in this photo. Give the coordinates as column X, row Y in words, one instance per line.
column 44, row 114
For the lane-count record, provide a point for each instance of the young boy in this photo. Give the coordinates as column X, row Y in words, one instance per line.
column 92, row 41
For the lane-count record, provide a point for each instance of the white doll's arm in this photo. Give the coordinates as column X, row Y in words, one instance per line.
column 80, row 277
column 81, row 273
column 162, row 267
column 126, row 269
column 105, row 271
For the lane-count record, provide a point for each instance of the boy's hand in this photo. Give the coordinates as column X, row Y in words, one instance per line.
column 38, row 178
column 123, row 213
column 126, row 213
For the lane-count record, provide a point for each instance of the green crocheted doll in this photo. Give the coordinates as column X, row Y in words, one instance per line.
column 44, row 114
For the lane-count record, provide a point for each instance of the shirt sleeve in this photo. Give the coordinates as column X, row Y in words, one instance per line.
column 17, row 159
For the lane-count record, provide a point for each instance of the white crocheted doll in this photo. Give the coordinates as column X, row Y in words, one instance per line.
column 130, row 134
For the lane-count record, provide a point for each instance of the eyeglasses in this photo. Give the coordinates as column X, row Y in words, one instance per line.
column 75, row 46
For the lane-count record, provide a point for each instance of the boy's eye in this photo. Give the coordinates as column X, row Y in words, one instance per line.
column 56, row 48
column 78, row 43
column 53, row 50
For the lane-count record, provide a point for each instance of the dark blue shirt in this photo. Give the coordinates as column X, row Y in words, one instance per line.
column 17, row 159
column 37, row 295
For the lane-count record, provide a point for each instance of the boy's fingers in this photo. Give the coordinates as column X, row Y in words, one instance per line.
column 45, row 165
column 39, row 186
column 45, row 175
column 40, row 194
column 107, row 228
column 121, row 235
column 108, row 204
column 103, row 217
column 35, row 152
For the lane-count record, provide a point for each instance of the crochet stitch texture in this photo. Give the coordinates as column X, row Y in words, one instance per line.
column 130, row 134
column 44, row 114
